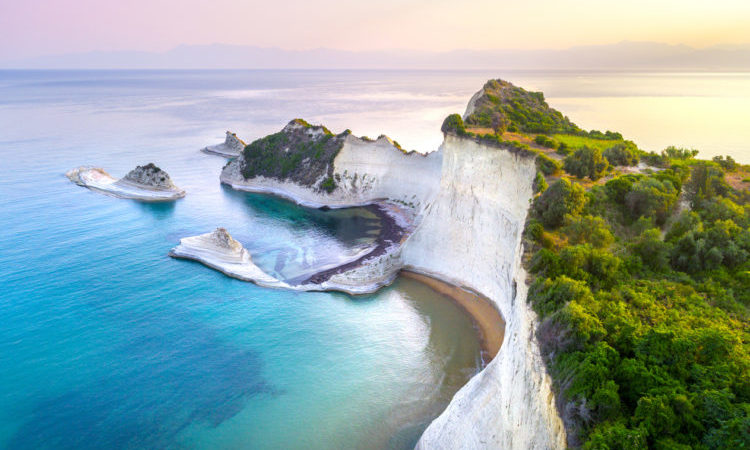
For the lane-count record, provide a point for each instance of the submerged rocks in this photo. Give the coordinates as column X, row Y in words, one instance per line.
column 230, row 148
column 146, row 183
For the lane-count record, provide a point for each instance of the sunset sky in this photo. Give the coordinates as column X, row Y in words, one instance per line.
column 45, row 27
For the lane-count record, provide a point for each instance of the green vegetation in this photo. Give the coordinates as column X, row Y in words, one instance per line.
column 504, row 106
column 562, row 198
column 622, row 154
column 586, row 162
column 545, row 141
column 644, row 307
column 302, row 154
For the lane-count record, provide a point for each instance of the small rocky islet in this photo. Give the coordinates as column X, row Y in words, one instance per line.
column 146, row 183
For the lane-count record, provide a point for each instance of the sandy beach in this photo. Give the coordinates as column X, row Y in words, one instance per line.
column 488, row 320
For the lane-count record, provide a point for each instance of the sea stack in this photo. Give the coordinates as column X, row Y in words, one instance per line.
column 230, row 148
column 145, row 183
column 220, row 251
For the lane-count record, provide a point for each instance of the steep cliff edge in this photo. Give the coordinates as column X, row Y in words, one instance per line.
column 467, row 204
column 471, row 236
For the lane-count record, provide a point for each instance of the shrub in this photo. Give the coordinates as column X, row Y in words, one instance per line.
column 540, row 184
column 651, row 197
column 618, row 188
column 454, row 124
column 547, row 165
column 563, row 149
column 545, row 141
column 328, row 185
column 561, row 198
column 622, row 154
column 586, row 162
column 588, row 229
column 673, row 152
column 726, row 163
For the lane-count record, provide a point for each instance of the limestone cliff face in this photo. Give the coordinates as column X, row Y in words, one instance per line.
column 471, row 235
column 468, row 202
column 364, row 171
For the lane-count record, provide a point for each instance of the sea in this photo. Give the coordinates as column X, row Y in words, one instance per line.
column 107, row 342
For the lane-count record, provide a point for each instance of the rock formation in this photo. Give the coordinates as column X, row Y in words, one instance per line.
column 145, row 183
column 220, row 251
column 230, row 148
column 467, row 203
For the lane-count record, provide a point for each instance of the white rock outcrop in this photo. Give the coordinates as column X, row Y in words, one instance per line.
column 471, row 236
column 146, row 183
column 366, row 172
column 220, row 251
column 230, row 148
column 468, row 203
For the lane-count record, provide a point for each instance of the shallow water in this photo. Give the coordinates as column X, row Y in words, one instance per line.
column 107, row 342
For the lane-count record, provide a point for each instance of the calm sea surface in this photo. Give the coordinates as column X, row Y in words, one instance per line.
column 105, row 342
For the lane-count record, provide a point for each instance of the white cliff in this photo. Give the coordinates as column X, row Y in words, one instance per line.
column 144, row 183
column 471, row 236
column 366, row 172
column 230, row 148
column 468, row 203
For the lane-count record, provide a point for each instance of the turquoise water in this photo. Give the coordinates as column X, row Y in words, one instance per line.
column 106, row 342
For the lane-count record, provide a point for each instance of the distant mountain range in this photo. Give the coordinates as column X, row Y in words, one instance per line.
column 621, row 56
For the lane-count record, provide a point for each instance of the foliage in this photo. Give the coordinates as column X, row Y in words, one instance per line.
column 454, row 124
column 546, row 141
column 586, row 162
column 540, row 184
column 504, row 105
column 651, row 197
column 561, row 198
column 293, row 153
column 547, row 165
column 645, row 332
column 622, row 154
column 588, row 229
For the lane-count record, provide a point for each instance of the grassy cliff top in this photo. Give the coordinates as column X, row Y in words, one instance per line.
column 501, row 105
column 300, row 152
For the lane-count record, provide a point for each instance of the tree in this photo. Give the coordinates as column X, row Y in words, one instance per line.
column 586, row 162
column 562, row 198
column 588, row 229
column 622, row 154
column 651, row 197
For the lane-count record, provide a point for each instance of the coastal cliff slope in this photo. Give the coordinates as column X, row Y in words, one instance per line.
column 471, row 236
column 468, row 203
column 354, row 171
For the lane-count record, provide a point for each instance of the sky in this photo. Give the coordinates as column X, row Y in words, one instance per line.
column 30, row 28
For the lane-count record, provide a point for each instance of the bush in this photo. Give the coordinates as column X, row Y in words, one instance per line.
column 563, row 149
column 454, row 124
column 618, row 188
column 588, row 229
column 673, row 152
column 726, row 163
column 328, row 185
column 650, row 197
column 622, row 154
column 547, row 165
column 586, row 162
column 545, row 141
column 561, row 198
column 540, row 184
